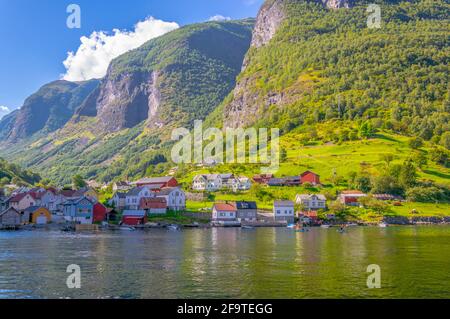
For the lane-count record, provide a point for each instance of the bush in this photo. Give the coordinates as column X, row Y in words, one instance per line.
column 427, row 194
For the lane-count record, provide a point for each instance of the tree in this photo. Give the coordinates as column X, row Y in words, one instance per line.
column 420, row 159
column 408, row 175
column 78, row 182
column 441, row 156
column 283, row 155
column 387, row 158
column 363, row 183
column 415, row 143
column 445, row 140
column 366, row 130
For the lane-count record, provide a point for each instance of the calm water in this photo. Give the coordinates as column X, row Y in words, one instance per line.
column 228, row 263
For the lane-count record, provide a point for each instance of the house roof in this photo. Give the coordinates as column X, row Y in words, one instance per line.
column 224, row 207
column 120, row 194
column 19, row 197
column 309, row 172
column 121, row 184
column 67, row 192
column 283, row 203
column 154, row 180
column 133, row 213
column 148, row 203
column 74, row 201
column 168, row 190
column 8, row 209
column 246, row 205
column 136, row 190
column 309, row 196
column 352, row 192
column 32, row 209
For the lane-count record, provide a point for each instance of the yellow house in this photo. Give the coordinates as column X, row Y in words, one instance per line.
column 40, row 216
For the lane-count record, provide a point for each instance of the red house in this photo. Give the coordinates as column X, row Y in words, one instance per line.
column 100, row 212
column 262, row 178
column 134, row 217
column 158, row 182
column 310, row 177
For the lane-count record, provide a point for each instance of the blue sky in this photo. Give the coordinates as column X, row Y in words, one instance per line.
column 35, row 38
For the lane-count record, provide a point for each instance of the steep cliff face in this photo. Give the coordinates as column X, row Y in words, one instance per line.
column 176, row 78
column 49, row 108
column 246, row 100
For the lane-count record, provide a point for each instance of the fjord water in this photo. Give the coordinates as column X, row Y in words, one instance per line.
column 228, row 263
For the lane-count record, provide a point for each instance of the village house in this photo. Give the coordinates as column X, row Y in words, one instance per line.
column 22, row 201
column 80, row 210
column 38, row 215
column 246, row 211
column 175, row 198
column 118, row 200
column 134, row 217
column 292, row 181
column 284, row 211
column 87, row 192
column 154, row 206
column 308, row 217
column 262, row 178
column 52, row 200
column 4, row 203
column 213, row 182
column 310, row 177
column 10, row 217
column 160, row 182
column 100, row 213
column 276, row 182
column 311, row 201
column 351, row 197
column 121, row 186
column 133, row 197
column 224, row 212
column 241, row 184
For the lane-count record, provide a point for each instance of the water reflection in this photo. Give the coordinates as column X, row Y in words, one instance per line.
column 228, row 263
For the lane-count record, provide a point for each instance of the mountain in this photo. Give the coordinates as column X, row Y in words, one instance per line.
column 174, row 78
column 11, row 173
column 46, row 110
column 122, row 125
column 317, row 61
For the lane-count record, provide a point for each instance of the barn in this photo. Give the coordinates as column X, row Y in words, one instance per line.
column 134, row 217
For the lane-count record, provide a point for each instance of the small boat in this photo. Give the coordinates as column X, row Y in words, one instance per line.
column 325, row 226
column 291, row 226
column 127, row 228
column 382, row 225
column 248, row 227
column 352, row 225
column 173, row 227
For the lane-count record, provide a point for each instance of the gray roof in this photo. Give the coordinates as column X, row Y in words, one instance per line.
column 246, row 205
column 134, row 213
column 309, row 196
column 32, row 209
column 120, row 194
column 284, row 203
column 167, row 190
column 135, row 191
column 156, row 180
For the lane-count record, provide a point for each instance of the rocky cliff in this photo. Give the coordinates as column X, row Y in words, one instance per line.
column 48, row 109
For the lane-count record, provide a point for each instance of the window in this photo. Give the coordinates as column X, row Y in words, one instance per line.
column 278, row 212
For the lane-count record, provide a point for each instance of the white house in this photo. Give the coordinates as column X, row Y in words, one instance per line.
column 212, row 182
column 311, row 201
column 241, row 184
column 175, row 198
column 118, row 200
column 121, row 186
column 224, row 212
column 133, row 197
column 284, row 210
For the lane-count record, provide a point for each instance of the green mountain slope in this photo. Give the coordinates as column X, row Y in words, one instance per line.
column 326, row 64
column 11, row 173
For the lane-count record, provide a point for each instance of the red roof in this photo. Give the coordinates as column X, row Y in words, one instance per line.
column 68, row 192
column 149, row 203
column 351, row 192
column 222, row 207
column 309, row 172
column 20, row 196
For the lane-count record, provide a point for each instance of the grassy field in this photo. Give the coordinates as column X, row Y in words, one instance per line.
column 327, row 160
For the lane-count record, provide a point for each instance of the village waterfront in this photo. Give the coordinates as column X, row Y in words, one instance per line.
column 228, row 263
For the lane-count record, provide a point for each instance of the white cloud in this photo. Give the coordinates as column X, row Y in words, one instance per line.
column 96, row 51
column 3, row 111
column 219, row 17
